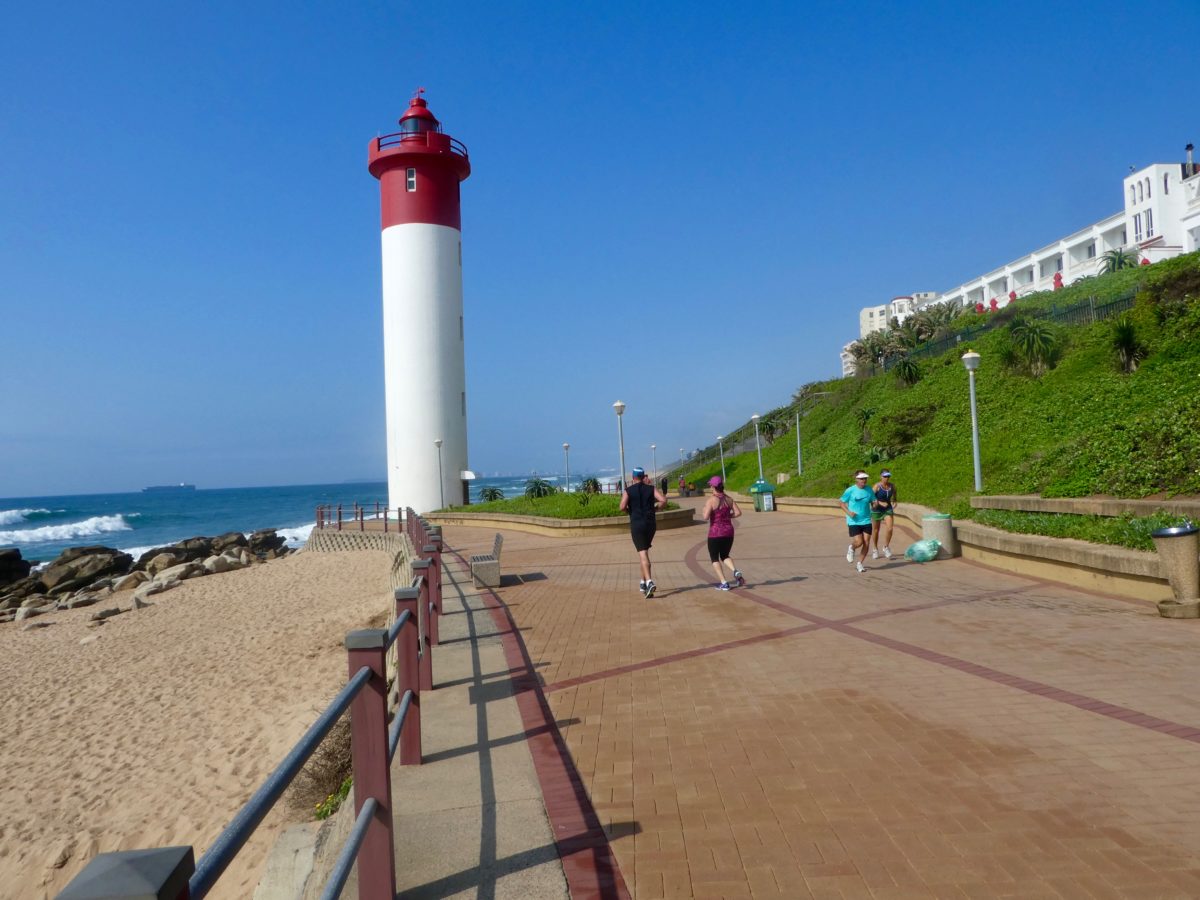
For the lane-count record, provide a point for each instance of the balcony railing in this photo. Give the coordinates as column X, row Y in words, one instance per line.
column 388, row 141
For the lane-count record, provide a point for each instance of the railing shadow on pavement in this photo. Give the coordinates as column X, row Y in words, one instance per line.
column 172, row 873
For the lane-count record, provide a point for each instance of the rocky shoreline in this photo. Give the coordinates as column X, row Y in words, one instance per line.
column 85, row 576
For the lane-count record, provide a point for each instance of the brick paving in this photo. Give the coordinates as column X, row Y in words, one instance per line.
column 938, row 730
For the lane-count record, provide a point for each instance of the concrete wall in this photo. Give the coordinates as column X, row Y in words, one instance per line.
column 674, row 518
column 1105, row 569
column 1087, row 506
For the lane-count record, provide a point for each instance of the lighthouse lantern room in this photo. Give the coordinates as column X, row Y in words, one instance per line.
column 420, row 169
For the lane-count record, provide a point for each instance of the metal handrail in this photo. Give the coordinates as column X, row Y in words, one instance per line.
column 234, row 837
column 398, row 723
column 386, row 141
column 346, row 859
column 394, row 631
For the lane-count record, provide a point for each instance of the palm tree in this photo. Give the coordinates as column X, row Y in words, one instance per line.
column 1130, row 351
column 907, row 370
column 1115, row 260
column 1036, row 340
column 491, row 492
column 538, row 487
column 864, row 419
column 590, row 486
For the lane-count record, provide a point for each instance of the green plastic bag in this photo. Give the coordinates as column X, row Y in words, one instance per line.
column 923, row 551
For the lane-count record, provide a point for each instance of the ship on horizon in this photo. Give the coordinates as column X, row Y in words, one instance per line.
column 161, row 488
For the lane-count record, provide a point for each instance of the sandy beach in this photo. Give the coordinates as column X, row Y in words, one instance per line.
column 154, row 728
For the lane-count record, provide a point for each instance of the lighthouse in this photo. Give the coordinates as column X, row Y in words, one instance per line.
column 420, row 169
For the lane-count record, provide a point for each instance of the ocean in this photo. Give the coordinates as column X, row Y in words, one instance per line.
column 42, row 527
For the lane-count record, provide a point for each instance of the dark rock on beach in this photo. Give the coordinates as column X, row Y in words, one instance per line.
column 79, row 566
column 266, row 543
column 196, row 548
column 13, row 567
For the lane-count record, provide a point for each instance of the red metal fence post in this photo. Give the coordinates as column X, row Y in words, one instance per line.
column 423, row 571
column 339, row 525
column 433, row 550
column 372, row 774
column 407, row 675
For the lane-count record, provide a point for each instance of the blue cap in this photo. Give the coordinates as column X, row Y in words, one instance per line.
column 639, row 472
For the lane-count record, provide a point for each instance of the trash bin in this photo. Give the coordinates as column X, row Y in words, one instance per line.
column 764, row 496
column 940, row 527
column 1177, row 547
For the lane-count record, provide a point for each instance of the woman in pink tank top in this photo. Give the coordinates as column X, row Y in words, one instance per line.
column 720, row 511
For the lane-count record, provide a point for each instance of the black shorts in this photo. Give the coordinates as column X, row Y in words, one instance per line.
column 643, row 535
column 859, row 529
column 719, row 547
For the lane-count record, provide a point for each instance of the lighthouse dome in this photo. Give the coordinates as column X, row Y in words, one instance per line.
column 417, row 118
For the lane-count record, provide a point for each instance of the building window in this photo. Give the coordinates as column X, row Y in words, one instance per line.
column 1147, row 188
column 1137, row 227
column 411, row 184
column 1149, row 223
column 1166, row 179
column 1132, row 196
column 1139, row 190
column 1058, row 263
column 1091, row 251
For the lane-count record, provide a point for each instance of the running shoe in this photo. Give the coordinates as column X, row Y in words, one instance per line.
column 649, row 592
column 741, row 582
column 861, row 568
column 887, row 551
column 723, row 586
column 850, row 553
column 874, row 554
column 642, row 588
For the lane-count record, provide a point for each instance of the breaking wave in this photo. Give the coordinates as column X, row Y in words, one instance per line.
column 297, row 536
column 13, row 516
column 68, row 532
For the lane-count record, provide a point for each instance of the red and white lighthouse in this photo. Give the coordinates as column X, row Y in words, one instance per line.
column 419, row 170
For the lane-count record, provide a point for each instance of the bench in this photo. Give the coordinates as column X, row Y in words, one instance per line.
column 485, row 567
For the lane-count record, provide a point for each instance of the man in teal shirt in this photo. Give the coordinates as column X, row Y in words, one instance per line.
column 856, row 503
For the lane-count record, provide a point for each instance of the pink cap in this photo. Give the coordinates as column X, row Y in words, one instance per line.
column 715, row 481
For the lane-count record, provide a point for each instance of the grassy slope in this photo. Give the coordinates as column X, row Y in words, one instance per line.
column 1083, row 428
column 557, row 506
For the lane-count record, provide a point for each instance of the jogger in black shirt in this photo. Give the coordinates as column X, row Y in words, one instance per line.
column 641, row 499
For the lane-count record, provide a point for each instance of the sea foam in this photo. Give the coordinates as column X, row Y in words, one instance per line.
column 13, row 516
column 296, row 537
column 70, row 531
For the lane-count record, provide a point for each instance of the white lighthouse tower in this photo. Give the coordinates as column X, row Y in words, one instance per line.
column 419, row 170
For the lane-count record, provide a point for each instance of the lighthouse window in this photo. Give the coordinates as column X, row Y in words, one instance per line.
column 412, row 180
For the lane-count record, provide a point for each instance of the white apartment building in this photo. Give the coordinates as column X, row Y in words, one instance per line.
column 1161, row 219
column 849, row 367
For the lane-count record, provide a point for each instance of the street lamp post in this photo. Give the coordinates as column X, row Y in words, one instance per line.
column 970, row 361
column 757, row 445
column 654, row 461
column 567, row 464
column 721, row 449
column 620, row 408
column 441, row 481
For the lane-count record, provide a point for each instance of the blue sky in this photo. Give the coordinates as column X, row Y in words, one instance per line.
column 681, row 206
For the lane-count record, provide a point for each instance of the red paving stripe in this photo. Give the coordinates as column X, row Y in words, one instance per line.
column 676, row 657
column 1070, row 698
column 587, row 859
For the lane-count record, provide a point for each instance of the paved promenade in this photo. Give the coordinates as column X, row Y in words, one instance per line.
column 937, row 730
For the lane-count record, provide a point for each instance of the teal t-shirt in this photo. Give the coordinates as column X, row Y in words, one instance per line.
column 859, row 500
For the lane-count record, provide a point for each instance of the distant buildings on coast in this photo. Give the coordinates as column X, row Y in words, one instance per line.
column 1161, row 219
